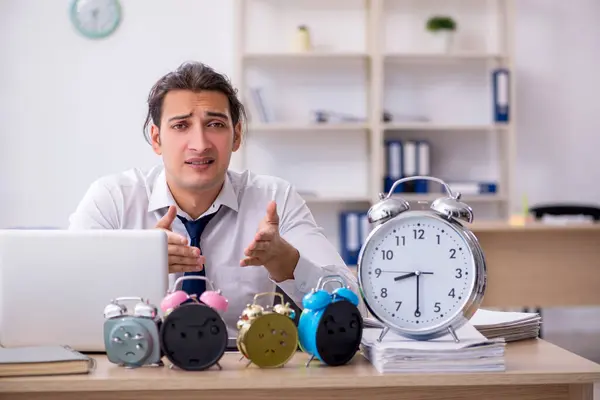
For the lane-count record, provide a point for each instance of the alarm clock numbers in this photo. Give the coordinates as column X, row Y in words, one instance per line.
column 418, row 272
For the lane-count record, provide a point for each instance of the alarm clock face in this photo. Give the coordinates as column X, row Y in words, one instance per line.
column 193, row 337
column 417, row 272
column 96, row 18
column 271, row 340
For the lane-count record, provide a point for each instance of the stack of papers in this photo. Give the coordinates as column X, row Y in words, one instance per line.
column 395, row 353
column 511, row 326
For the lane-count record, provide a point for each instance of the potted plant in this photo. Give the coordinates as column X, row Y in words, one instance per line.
column 442, row 29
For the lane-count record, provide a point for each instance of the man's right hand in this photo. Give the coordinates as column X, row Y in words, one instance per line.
column 182, row 258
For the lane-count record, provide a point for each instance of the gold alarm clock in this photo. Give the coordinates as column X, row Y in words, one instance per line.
column 267, row 336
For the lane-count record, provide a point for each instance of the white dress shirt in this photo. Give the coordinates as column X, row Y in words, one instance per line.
column 137, row 199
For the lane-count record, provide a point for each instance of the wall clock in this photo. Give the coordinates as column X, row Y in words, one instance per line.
column 422, row 272
column 96, row 19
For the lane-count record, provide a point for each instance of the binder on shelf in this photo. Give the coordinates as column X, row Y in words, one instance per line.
column 394, row 165
column 423, row 166
column 410, row 164
column 365, row 228
column 473, row 188
column 501, row 94
column 259, row 105
column 354, row 229
column 349, row 237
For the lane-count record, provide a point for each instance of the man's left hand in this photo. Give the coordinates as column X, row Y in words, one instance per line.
column 270, row 250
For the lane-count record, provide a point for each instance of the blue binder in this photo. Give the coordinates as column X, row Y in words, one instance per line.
column 349, row 236
column 423, row 166
column 501, row 94
column 394, row 165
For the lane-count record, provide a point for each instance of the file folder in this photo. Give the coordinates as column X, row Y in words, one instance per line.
column 501, row 94
column 423, row 166
column 365, row 228
column 394, row 165
column 349, row 237
column 473, row 188
column 410, row 164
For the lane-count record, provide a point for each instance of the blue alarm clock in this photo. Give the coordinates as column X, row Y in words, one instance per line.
column 330, row 326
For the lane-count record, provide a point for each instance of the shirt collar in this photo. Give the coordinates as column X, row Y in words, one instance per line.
column 161, row 196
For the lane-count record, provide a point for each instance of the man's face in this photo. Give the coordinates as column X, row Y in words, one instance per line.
column 196, row 138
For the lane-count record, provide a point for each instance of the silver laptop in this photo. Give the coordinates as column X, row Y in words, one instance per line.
column 54, row 284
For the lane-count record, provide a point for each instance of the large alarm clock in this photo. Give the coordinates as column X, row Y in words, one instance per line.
column 421, row 272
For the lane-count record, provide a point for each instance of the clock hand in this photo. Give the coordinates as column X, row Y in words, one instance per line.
column 409, row 274
column 417, row 312
column 399, row 278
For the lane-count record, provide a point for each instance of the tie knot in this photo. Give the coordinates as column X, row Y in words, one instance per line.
column 195, row 228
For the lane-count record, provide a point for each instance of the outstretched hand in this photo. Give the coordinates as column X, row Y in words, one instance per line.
column 182, row 258
column 270, row 250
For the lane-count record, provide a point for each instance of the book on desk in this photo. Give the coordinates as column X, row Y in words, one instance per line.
column 43, row 360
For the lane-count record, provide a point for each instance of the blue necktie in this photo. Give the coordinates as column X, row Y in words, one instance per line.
column 195, row 229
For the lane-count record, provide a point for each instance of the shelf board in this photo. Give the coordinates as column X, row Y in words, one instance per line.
column 426, row 126
column 289, row 127
column 443, row 57
column 290, row 56
column 476, row 198
column 312, row 199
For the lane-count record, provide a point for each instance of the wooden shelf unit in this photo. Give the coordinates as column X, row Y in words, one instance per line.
column 380, row 57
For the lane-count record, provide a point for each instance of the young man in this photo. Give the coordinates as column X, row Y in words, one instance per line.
column 247, row 233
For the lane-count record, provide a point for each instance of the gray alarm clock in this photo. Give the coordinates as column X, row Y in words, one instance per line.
column 132, row 340
column 421, row 272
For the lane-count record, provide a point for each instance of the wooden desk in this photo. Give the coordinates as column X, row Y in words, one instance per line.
column 535, row 370
column 541, row 265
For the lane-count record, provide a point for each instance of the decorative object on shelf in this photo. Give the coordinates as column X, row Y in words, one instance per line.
column 302, row 41
column 442, row 29
column 421, row 273
column 387, row 117
column 96, row 19
column 267, row 337
column 193, row 335
column 324, row 116
column 330, row 327
column 132, row 340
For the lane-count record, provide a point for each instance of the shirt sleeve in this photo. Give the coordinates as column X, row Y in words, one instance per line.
column 318, row 256
column 96, row 210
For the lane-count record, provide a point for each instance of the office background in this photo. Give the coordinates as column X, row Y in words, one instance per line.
column 72, row 109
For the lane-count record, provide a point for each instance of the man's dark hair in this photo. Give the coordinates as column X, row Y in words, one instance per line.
column 196, row 77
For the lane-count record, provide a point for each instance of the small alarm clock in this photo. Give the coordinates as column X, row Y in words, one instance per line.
column 421, row 272
column 330, row 326
column 267, row 337
column 132, row 340
column 193, row 335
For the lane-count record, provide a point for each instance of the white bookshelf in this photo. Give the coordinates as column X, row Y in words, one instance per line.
column 371, row 56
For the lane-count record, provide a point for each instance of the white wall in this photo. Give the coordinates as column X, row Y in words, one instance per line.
column 68, row 103
column 72, row 109
column 558, row 54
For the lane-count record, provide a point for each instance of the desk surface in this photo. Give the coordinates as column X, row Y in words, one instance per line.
column 531, row 362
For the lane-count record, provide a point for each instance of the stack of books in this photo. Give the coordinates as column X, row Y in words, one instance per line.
column 511, row 326
column 473, row 353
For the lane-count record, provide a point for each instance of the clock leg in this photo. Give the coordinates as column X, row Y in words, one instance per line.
column 383, row 333
column 309, row 360
column 453, row 334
